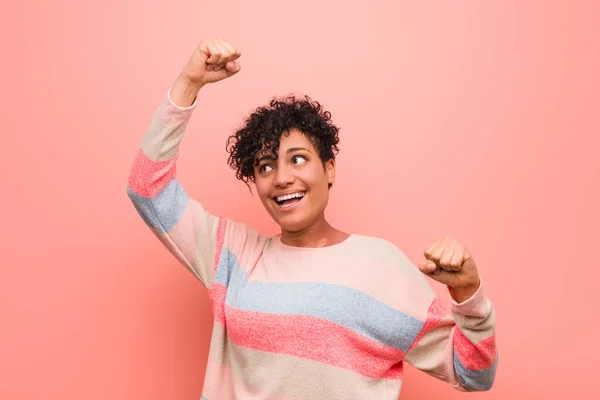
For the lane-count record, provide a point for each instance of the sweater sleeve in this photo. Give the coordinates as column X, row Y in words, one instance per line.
column 194, row 236
column 459, row 346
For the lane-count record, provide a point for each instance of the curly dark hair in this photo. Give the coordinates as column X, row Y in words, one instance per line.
column 265, row 126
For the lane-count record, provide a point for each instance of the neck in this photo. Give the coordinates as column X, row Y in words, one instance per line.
column 319, row 234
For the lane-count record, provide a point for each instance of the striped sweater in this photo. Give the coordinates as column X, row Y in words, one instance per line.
column 336, row 322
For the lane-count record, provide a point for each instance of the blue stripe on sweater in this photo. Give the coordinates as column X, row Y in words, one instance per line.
column 477, row 380
column 340, row 304
column 163, row 211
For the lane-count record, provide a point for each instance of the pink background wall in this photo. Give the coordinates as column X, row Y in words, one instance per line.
column 475, row 119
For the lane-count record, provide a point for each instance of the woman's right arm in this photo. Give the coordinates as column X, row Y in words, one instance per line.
column 188, row 231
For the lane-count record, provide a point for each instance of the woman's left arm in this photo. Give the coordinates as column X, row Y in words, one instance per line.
column 459, row 346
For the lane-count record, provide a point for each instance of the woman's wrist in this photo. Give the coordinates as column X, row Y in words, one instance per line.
column 184, row 91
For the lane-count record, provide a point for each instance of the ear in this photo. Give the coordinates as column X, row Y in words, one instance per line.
column 330, row 171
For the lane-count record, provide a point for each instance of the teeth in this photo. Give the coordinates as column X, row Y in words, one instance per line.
column 289, row 196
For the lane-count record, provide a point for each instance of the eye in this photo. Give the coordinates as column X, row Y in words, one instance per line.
column 264, row 168
column 298, row 159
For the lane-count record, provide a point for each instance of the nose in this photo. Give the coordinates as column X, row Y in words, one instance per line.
column 283, row 177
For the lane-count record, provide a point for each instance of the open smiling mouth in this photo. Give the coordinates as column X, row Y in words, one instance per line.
column 289, row 200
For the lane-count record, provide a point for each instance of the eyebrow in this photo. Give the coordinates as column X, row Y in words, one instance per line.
column 293, row 149
column 290, row 150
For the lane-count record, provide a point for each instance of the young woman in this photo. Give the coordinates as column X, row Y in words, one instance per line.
column 313, row 312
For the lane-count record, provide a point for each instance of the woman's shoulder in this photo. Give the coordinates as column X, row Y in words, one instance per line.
column 380, row 250
column 375, row 245
column 387, row 263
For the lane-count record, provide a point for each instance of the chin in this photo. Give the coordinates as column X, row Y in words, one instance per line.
column 292, row 224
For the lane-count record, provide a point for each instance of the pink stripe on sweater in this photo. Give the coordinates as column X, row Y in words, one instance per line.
column 147, row 178
column 475, row 356
column 434, row 315
column 315, row 339
column 216, row 295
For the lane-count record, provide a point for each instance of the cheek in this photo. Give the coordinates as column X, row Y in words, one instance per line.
column 261, row 189
column 317, row 179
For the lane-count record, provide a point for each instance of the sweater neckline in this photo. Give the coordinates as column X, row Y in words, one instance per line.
column 334, row 247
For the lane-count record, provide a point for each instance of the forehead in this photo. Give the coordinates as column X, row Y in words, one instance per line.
column 294, row 138
column 291, row 139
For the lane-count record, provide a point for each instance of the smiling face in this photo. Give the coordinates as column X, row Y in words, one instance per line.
column 294, row 188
